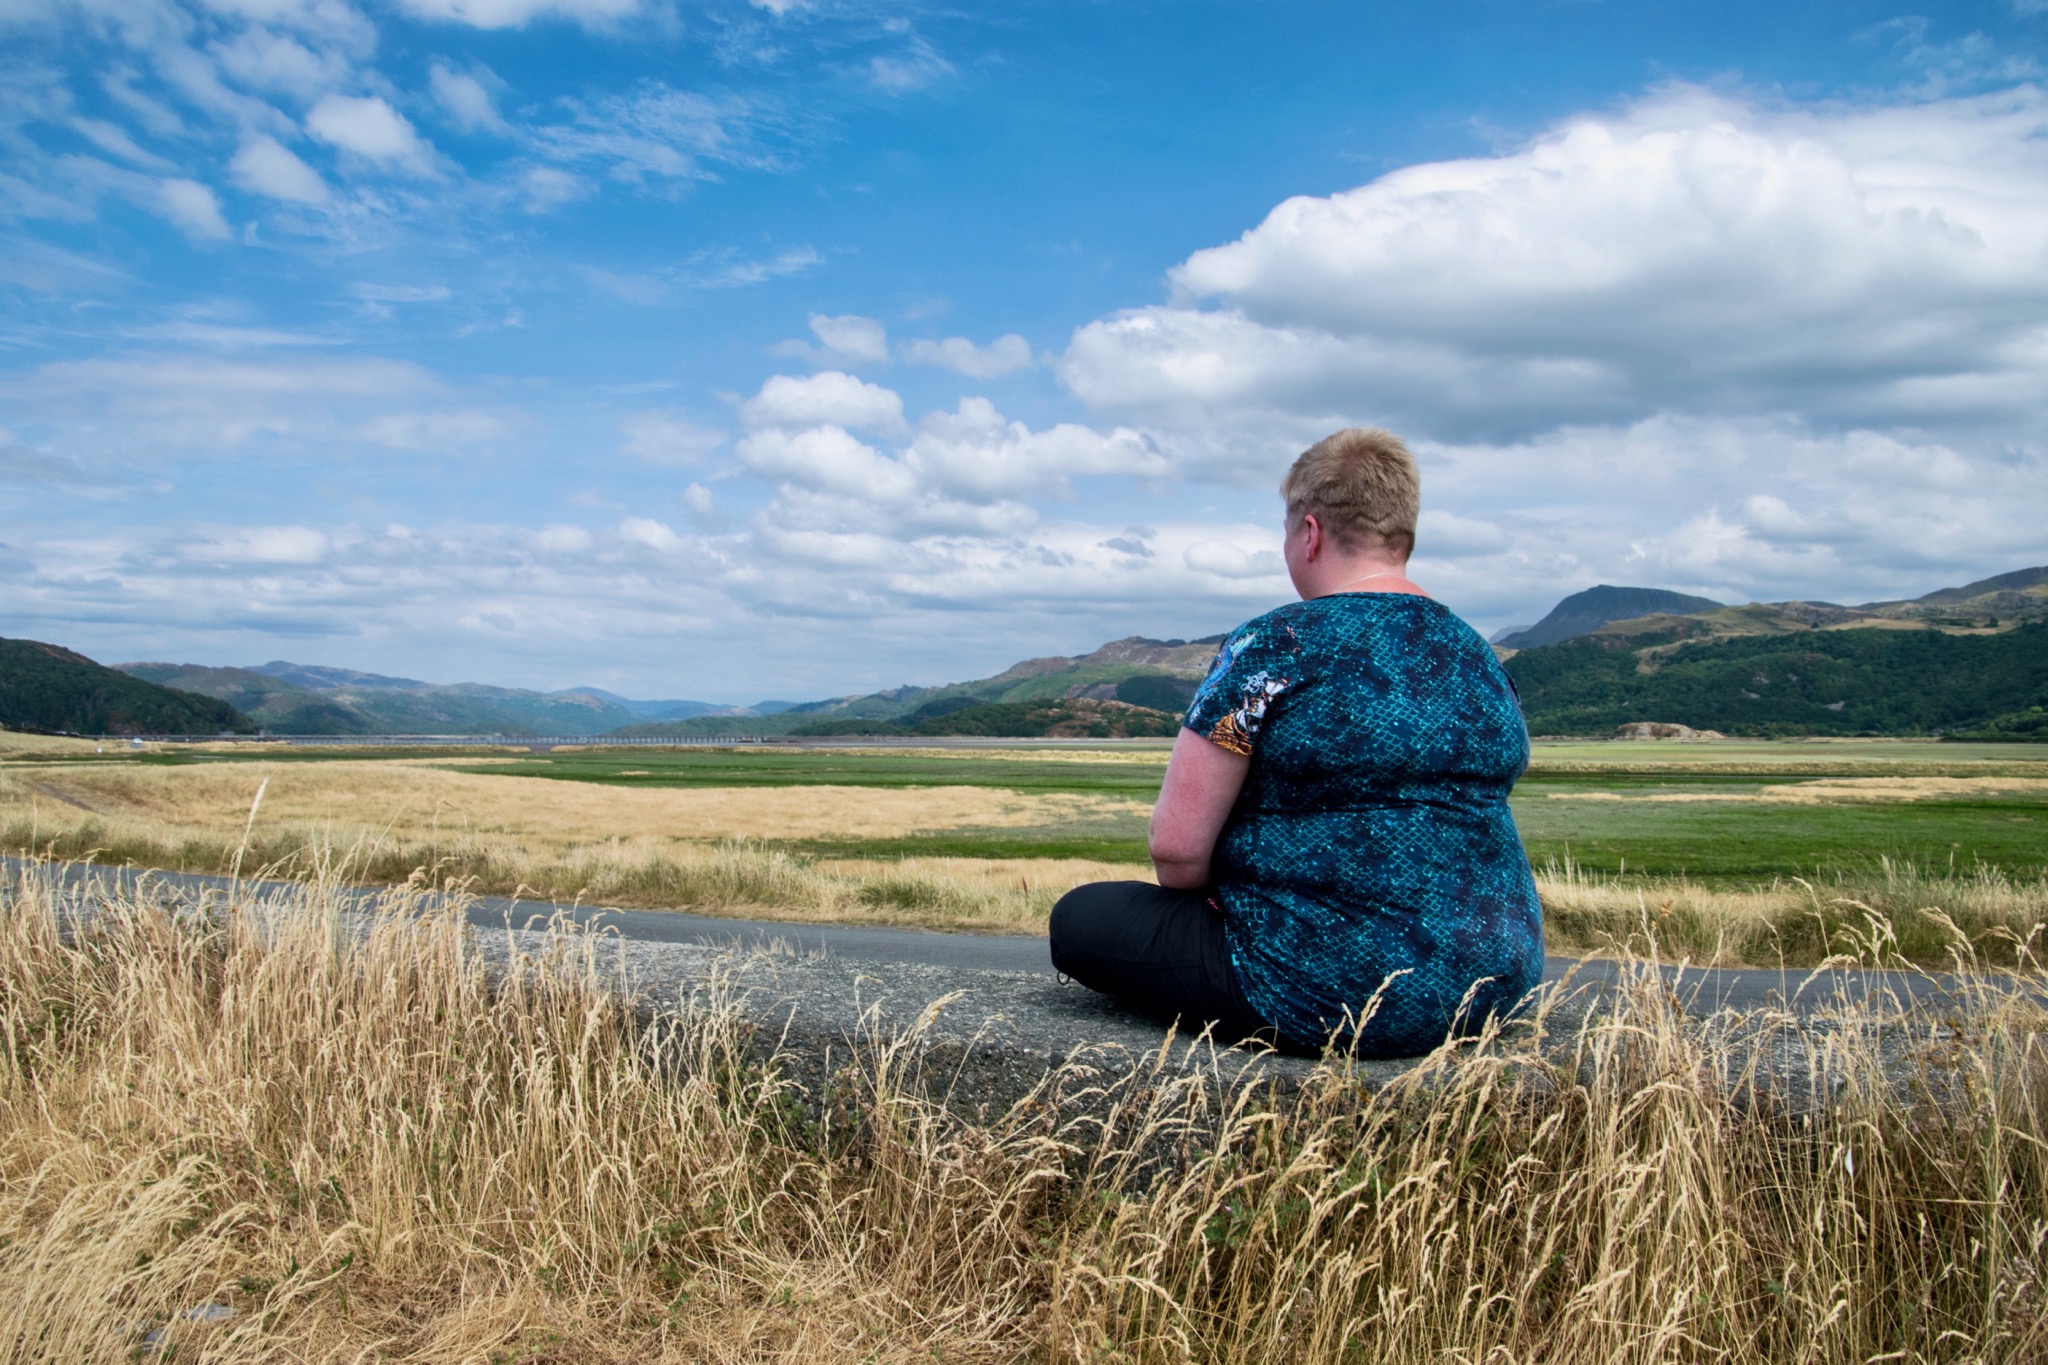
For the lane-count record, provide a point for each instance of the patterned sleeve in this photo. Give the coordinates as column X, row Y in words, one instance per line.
column 1254, row 666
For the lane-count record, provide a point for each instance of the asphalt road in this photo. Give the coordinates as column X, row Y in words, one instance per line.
column 1701, row 991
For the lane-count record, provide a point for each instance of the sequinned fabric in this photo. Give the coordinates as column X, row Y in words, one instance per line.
column 1372, row 849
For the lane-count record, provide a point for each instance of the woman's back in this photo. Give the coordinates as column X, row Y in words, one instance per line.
column 1372, row 835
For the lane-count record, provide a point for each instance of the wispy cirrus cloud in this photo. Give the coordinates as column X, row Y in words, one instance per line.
column 917, row 66
column 720, row 268
column 666, row 136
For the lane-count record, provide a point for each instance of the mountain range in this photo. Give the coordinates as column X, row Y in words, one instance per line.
column 2002, row 602
column 1969, row 659
column 305, row 699
column 1964, row 661
column 1097, row 693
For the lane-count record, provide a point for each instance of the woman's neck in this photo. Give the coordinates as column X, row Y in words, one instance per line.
column 1360, row 576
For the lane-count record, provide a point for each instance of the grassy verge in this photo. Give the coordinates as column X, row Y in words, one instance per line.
column 273, row 1143
column 1916, row 911
column 1916, row 914
column 931, row 891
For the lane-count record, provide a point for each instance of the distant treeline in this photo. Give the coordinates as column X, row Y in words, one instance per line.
column 1820, row 682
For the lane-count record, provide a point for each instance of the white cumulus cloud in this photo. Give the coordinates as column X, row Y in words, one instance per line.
column 266, row 166
column 562, row 538
column 465, row 99
column 371, row 129
column 831, row 397
column 973, row 452
column 649, row 534
column 193, row 209
column 1695, row 252
column 698, row 501
column 828, row 459
column 1227, row 559
column 263, row 60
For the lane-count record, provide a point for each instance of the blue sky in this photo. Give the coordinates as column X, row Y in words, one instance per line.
column 790, row 349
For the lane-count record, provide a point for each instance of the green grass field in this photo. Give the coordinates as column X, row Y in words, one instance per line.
column 1727, row 827
column 1717, row 842
column 1715, row 812
column 1566, row 806
column 1118, row 773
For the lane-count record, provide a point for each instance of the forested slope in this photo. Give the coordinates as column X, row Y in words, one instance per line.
column 48, row 687
column 1816, row 682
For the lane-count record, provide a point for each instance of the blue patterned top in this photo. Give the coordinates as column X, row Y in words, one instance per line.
column 1373, row 834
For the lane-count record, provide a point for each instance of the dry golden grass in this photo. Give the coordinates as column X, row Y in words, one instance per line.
column 687, row 849
column 370, row 1149
column 1854, row 789
column 348, row 800
column 1798, row 922
column 15, row 744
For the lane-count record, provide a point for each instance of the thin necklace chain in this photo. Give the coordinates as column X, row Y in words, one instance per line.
column 1390, row 573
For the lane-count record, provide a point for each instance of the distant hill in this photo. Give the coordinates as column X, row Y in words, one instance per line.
column 48, row 687
column 1585, row 612
column 1964, row 660
column 2016, row 582
column 668, row 710
column 2002, row 603
column 304, row 699
column 1154, row 675
column 316, row 678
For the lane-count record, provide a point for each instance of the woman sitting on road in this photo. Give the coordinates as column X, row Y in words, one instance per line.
column 1336, row 858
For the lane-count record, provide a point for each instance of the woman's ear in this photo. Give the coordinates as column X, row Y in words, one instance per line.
column 1311, row 536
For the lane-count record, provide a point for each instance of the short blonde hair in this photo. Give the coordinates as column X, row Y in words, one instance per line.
column 1361, row 485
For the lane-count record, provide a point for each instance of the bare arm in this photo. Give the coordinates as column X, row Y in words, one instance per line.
column 1202, row 783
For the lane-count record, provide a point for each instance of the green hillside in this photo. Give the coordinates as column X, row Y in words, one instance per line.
column 48, row 687
column 1812, row 682
column 364, row 704
column 275, row 706
column 1079, row 719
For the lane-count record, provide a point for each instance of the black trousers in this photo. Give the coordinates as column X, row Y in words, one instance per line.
column 1158, row 949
